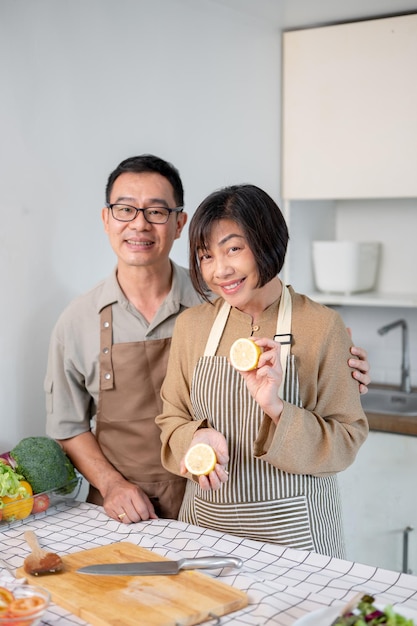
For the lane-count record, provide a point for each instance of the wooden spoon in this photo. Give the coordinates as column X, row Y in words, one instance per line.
column 40, row 561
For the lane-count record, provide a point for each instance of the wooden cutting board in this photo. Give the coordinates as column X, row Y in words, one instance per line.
column 187, row 598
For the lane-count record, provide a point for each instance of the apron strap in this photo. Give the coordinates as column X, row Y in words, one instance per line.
column 283, row 334
column 105, row 359
column 217, row 330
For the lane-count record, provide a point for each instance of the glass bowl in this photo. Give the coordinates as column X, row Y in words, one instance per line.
column 22, row 508
column 22, row 605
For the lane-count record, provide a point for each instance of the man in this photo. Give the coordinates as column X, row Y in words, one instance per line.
column 108, row 351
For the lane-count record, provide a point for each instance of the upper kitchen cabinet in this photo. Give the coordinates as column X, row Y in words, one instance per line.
column 349, row 150
column 350, row 110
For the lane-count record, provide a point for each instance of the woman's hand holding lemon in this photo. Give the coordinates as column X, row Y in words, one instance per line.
column 206, row 458
column 263, row 380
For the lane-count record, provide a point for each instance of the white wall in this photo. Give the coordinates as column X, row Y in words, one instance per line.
column 87, row 83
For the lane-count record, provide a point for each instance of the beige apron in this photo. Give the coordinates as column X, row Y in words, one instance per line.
column 125, row 427
column 259, row 501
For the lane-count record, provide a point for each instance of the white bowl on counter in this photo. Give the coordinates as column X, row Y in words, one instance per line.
column 345, row 266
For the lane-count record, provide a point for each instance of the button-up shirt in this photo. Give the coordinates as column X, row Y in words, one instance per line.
column 72, row 377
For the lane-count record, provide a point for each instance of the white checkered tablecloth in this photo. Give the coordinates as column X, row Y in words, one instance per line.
column 282, row 584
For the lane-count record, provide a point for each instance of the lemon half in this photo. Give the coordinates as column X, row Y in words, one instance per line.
column 200, row 459
column 244, row 354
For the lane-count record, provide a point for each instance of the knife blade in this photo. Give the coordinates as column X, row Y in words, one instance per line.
column 160, row 568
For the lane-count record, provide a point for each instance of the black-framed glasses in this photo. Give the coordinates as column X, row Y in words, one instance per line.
column 152, row 214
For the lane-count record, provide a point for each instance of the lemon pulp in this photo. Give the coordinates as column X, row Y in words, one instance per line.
column 244, row 354
column 200, row 459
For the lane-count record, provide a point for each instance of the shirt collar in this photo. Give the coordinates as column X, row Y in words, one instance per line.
column 111, row 292
column 182, row 294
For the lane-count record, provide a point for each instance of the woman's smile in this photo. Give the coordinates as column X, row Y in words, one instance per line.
column 232, row 287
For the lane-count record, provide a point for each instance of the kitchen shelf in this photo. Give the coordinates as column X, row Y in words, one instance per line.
column 372, row 298
column 315, row 220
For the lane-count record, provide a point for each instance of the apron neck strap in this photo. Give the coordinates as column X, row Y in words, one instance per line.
column 106, row 340
column 283, row 334
column 217, row 330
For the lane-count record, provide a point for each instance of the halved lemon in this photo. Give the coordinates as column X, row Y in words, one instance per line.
column 244, row 354
column 200, row 459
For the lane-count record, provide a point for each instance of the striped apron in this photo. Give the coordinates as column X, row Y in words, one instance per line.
column 259, row 501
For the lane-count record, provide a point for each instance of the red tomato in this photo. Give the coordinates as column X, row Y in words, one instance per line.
column 40, row 503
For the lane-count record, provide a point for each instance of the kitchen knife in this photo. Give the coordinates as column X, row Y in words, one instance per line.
column 160, row 568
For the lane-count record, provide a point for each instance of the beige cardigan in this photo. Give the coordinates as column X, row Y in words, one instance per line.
column 321, row 438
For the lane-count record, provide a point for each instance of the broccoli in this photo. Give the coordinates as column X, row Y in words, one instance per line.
column 43, row 463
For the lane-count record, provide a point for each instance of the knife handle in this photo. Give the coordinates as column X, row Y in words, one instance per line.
column 210, row 562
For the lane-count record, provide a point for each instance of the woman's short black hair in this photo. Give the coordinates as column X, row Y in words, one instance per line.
column 259, row 217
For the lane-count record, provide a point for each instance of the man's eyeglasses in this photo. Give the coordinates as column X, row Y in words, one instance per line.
column 152, row 214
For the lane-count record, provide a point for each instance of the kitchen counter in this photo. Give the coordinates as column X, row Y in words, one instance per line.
column 282, row 584
column 397, row 424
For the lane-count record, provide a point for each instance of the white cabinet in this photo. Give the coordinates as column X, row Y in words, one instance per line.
column 349, row 110
column 350, row 141
column 379, row 503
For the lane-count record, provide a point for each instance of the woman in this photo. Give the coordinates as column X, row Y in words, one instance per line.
column 282, row 430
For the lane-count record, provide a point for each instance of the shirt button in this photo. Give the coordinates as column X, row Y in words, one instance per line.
column 105, row 351
column 106, row 324
column 107, row 376
column 255, row 328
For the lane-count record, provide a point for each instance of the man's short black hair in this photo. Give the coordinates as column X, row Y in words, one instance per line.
column 148, row 163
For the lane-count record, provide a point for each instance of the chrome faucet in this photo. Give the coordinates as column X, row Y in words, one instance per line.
column 405, row 364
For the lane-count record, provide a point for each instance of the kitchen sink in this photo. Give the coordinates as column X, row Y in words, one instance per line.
column 390, row 402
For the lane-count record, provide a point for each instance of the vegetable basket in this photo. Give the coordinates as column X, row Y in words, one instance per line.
column 40, row 503
column 35, row 476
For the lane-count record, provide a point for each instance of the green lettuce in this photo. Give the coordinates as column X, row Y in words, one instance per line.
column 9, row 482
